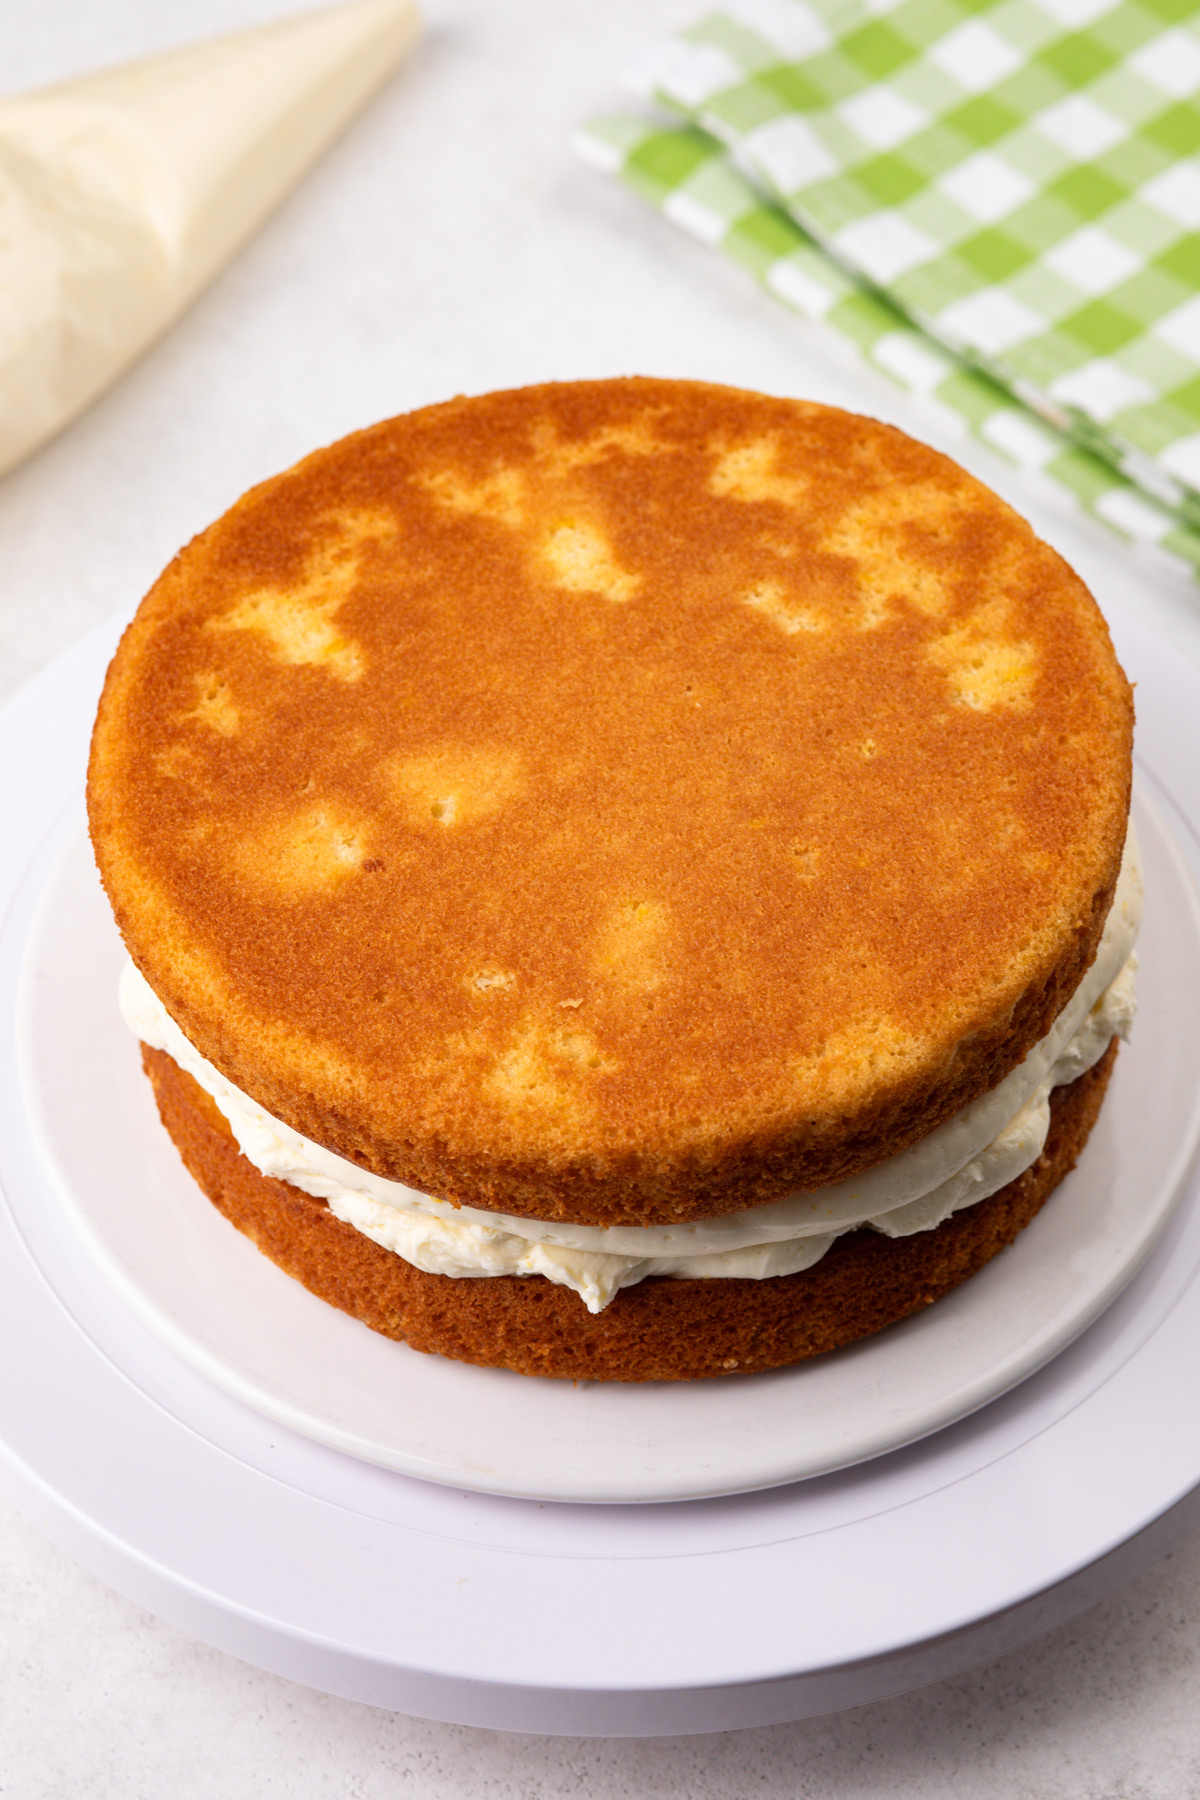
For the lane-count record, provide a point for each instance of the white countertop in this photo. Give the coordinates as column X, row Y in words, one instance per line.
column 452, row 243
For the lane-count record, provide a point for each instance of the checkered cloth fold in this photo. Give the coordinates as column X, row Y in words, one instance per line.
column 994, row 203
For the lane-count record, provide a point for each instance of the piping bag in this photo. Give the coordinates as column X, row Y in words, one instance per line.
column 123, row 193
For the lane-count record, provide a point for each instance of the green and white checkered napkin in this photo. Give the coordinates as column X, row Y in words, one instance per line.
column 997, row 203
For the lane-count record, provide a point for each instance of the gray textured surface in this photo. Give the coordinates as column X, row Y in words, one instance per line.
column 449, row 243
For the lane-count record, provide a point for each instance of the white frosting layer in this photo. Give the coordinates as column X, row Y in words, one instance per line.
column 973, row 1154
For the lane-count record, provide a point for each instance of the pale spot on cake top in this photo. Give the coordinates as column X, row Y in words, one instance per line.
column 500, row 495
column 180, row 762
column 632, row 948
column 491, row 981
column 299, row 626
column 580, row 558
column 882, row 536
column 215, row 706
column 785, row 612
column 454, row 785
column 635, row 437
column 503, row 493
column 557, row 517
column 304, row 852
column 547, row 1066
column 878, row 1044
column 749, row 472
column 983, row 667
column 298, row 621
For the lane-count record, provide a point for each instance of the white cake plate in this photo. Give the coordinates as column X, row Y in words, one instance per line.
column 622, row 1620
column 213, row 1299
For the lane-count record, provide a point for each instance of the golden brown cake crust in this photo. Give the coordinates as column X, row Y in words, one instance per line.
column 661, row 1330
column 619, row 801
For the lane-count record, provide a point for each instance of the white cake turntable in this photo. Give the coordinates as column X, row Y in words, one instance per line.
column 283, row 1493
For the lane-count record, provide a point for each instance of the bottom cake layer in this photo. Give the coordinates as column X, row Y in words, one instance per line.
column 664, row 1329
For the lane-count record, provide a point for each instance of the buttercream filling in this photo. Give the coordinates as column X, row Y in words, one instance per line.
column 977, row 1151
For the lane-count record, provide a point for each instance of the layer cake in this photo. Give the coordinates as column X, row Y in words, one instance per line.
column 669, row 830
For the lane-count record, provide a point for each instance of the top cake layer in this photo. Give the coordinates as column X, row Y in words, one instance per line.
column 620, row 801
